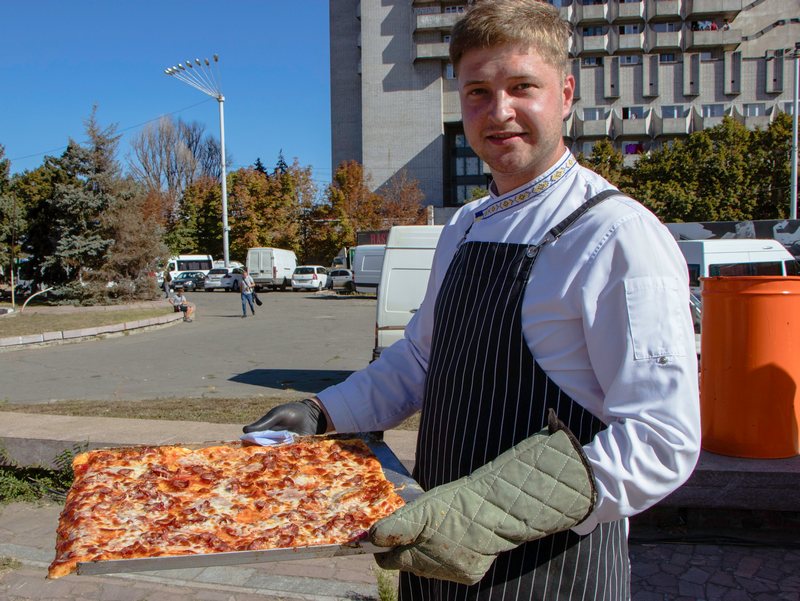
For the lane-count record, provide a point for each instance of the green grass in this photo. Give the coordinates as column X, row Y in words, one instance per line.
column 213, row 410
column 33, row 483
column 22, row 324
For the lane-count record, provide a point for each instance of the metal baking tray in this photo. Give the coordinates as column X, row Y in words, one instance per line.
column 394, row 471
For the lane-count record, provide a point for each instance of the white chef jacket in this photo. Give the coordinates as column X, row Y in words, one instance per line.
column 605, row 314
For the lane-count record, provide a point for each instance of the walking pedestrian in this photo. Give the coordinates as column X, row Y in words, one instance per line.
column 167, row 282
column 553, row 357
column 246, row 287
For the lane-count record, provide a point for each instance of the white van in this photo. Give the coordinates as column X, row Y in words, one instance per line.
column 735, row 256
column 271, row 267
column 367, row 262
column 404, row 279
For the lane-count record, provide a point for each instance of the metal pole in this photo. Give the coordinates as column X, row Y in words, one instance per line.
column 793, row 159
column 225, row 256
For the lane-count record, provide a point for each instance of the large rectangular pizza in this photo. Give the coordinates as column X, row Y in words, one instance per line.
column 163, row 501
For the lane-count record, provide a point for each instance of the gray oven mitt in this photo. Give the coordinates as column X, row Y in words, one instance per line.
column 541, row 486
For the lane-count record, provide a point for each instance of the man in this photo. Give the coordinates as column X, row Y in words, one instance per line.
column 246, row 287
column 180, row 303
column 552, row 358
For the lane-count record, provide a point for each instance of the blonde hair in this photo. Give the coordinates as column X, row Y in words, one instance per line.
column 529, row 23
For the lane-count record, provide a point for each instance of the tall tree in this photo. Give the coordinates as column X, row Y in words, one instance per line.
column 167, row 156
column 402, row 201
column 353, row 202
column 12, row 222
column 606, row 161
column 137, row 244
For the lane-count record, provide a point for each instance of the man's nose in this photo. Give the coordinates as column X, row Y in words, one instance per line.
column 502, row 108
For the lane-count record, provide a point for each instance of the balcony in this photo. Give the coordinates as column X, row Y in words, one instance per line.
column 664, row 40
column 593, row 43
column 697, row 8
column 634, row 127
column 591, row 13
column 437, row 21
column 630, row 41
column 434, row 51
column 671, row 126
column 629, row 11
column 664, row 10
column 595, row 128
column 724, row 39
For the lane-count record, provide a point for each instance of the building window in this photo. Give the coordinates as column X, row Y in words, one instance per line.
column 666, row 57
column 449, row 72
column 592, row 61
column 468, row 166
column 630, row 59
column 788, row 108
column 594, row 114
column 672, row 111
column 755, row 109
column 459, row 8
column 446, row 39
column 708, row 56
column 632, row 112
column 463, row 169
column 633, row 148
column 629, row 29
column 713, row 110
column 669, row 26
column 594, row 30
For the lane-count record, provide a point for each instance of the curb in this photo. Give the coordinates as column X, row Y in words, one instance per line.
column 48, row 338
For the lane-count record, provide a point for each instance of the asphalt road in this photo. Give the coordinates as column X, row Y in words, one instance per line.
column 298, row 343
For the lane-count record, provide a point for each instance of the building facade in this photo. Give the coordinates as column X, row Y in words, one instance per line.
column 646, row 72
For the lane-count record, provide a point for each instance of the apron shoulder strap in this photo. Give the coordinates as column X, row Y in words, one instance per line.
column 554, row 233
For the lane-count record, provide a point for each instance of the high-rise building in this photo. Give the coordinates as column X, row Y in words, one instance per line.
column 646, row 71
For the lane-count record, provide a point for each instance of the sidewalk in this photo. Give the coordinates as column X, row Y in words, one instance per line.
column 729, row 534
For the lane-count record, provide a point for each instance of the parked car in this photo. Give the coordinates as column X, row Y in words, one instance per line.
column 341, row 280
column 214, row 278
column 313, row 277
column 189, row 280
column 230, row 281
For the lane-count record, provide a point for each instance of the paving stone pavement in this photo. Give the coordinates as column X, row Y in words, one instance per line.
column 661, row 571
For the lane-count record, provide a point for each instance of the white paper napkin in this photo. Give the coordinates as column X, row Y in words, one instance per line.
column 267, row 438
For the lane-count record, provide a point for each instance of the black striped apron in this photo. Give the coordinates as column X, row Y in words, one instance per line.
column 484, row 393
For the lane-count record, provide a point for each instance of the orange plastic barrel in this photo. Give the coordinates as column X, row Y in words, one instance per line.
column 750, row 366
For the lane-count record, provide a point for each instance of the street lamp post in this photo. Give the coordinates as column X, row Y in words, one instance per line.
column 200, row 76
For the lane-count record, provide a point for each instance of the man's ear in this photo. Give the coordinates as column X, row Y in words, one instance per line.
column 568, row 95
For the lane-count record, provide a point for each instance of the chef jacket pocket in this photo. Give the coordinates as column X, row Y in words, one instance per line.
column 654, row 317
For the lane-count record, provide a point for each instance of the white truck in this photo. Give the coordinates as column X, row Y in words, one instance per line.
column 404, row 279
column 735, row 256
column 271, row 267
column 366, row 265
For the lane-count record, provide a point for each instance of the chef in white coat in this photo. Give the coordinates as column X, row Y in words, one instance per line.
column 554, row 352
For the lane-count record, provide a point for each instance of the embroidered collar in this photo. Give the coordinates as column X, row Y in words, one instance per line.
column 533, row 189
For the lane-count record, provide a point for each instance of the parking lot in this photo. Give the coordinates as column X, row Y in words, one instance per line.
column 298, row 343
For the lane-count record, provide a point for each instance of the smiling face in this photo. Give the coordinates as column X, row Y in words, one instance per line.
column 513, row 104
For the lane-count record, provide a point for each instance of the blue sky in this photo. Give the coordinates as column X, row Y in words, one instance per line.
column 60, row 57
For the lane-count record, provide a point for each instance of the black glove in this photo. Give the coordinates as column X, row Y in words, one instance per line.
column 301, row 417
